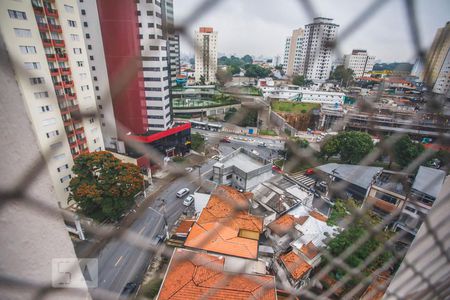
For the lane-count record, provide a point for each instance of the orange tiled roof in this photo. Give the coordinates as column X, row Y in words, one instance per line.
column 218, row 226
column 296, row 265
column 310, row 250
column 318, row 216
column 285, row 223
column 194, row 275
column 184, row 227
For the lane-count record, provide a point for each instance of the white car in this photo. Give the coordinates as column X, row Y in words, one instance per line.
column 188, row 201
column 181, row 193
column 189, row 169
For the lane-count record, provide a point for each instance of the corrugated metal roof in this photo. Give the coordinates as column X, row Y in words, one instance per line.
column 361, row 176
column 429, row 181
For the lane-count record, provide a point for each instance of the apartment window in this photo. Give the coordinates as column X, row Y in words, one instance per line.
column 140, row 25
column 149, row 13
column 142, row 47
column 15, row 14
column 85, row 87
column 154, row 48
column 154, row 107
column 155, row 117
column 85, row 24
column 156, row 126
column 72, row 23
column 63, row 168
column 97, row 88
column 74, row 37
column 88, row 36
column 153, row 98
column 45, row 108
column 153, row 69
column 100, row 106
column 27, row 49
column 149, row 1
column 80, row 63
column 20, row 32
column 51, row 134
column 152, row 79
column 83, row 12
column 138, row 12
column 68, row 8
column 91, row 120
column 95, row 78
column 93, row 68
column 150, row 58
column 77, row 50
column 40, row 95
column 91, row 57
column 89, row 47
column 65, row 178
column 55, row 145
column 151, row 36
column 32, row 65
column 140, row 36
column 158, row 14
column 151, row 25
column 59, row 156
column 37, row 80
column 98, row 98
column 152, row 89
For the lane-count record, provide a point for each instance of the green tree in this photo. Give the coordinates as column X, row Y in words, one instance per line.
column 256, row 71
column 247, row 59
column 223, row 76
column 234, row 69
column 103, row 186
column 354, row 146
column 330, row 147
column 197, row 141
column 294, row 145
column 202, row 80
column 405, row 150
column 342, row 74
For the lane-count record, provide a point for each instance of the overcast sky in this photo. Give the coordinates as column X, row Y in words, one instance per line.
column 260, row 27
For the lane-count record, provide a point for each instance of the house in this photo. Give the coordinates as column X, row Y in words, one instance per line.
column 193, row 275
column 242, row 169
column 225, row 225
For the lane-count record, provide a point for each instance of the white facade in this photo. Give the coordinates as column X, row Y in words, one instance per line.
column 360, row 62
column 55, row 81
column 315, row 58
column 206, row 54
column 296, row 93
column 174, row 44
column 292, row 52
column 442, row 84
column 155, row 65
column 92, row 36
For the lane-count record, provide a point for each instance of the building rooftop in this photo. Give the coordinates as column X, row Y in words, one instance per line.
column 429, row 181
column 361, row 176
column 394, row 182
column 286, row 223
column 225, row 226
column 243, row 160
column 193, row 275
column 295, row 264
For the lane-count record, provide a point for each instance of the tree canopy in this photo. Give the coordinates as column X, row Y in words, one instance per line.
column 352, row 146
column 103, row 186
column 301, row 81
column 247, row 59
column 342, row 74
column 405, row 150
column 223, row 76
column 256, row 71
column 197, row 141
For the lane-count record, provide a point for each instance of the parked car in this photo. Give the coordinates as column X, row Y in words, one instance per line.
column 188, row 201
column 183, row 192
column 276, row 169
column 261, row 144
column 225, row 140
column 189, row 169
column 309, row 172
column 128, row 290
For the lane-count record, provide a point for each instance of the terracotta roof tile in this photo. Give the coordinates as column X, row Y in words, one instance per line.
column 310, row 250
column 194, row 275
column 296, row 265
column 285, row 223
column 218, row 226
column 184, row 227
column 318, row 216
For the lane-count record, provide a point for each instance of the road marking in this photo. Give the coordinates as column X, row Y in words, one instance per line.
column 140, row 231
column 117, row 262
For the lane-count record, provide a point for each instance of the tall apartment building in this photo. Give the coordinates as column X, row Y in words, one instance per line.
column 135, row 37
column 44, row 41
column 92, row 36
column 359, row 61
column 292, row 52
column 174, row 43
column 437, row 68
column 315, row 58
column 206, row 54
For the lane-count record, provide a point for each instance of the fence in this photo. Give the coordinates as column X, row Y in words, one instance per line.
column 423, row 274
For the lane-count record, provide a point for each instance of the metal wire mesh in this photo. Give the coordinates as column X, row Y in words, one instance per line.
column 105, row 233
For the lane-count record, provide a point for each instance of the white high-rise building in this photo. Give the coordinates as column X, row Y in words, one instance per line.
column 206, row 54
column 174, row 44
column 93, row 39
column 437, row 69
column 316, row 54
column 45, row 42
column 359, row 61
column 292, row 52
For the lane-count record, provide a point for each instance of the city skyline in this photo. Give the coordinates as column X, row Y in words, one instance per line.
column 268, row 26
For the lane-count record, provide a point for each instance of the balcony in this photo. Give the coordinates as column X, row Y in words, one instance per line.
column 68, row 84
column 51, row 57
column 62, row 57
column 74, row 108
column 381, row 204
column 55, row 28
column 71, row 96
column 38, row 10
column 79, row 130
column 51, row 12
column 65, row 71
column 43, row 27
column 58, row 85
column 82, row 140
column 73, row 144
column 54, row 72
column 47, row 42
column 67, row 121
column 58, row 43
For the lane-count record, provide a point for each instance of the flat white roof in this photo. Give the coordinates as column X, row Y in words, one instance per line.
column 243, row 162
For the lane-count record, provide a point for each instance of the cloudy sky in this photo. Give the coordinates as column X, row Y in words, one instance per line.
column 260, row 27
